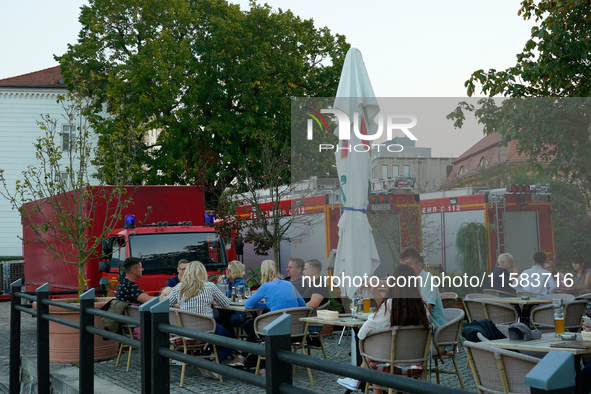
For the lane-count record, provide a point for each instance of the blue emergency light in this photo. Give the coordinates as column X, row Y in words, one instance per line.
column 129, row 221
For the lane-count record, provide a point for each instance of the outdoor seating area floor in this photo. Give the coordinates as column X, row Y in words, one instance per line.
column 194, row 383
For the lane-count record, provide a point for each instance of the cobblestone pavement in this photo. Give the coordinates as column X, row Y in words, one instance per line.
column 194, row 383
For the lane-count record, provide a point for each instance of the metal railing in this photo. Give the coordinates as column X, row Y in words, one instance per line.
column 155, row 349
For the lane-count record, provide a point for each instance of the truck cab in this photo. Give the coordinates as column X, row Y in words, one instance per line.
column 161, row 246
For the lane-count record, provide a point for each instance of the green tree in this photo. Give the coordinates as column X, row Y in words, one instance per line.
column 553, row 63
column 206, row 79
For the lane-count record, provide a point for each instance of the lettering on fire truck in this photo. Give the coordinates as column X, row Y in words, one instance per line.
column 443, row 208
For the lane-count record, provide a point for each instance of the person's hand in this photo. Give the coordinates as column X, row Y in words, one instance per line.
column 586, row 325
column 516, row 270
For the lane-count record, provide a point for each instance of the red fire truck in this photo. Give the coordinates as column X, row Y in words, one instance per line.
column 173, row 230
column 393, row 212
column 520, row 215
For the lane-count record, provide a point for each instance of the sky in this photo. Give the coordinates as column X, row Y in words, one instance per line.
column 410, row 49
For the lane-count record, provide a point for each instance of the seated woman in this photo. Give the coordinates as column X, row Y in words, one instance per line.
column 196, row 294
column 581, row 274
column 278, row 294
column 235, row 272
column 403, row 306
column 550, row 266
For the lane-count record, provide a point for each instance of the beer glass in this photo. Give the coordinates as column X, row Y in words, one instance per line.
column 366, row 300
column 558, row 308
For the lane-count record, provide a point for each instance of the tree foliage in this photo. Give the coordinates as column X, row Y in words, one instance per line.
column 471, row 241
column 207, row 80
column 554, row 63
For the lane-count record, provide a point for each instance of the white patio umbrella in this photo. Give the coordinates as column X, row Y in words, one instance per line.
column 356, row 254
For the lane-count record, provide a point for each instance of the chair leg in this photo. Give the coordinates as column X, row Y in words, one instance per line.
column 458, row 372
column 323, row 348
column 217, row 360
column 129, row 357
column 119, row 354
column 309, row 371
column 256, row 371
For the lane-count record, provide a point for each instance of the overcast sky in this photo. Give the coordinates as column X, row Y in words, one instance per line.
column 411, row 49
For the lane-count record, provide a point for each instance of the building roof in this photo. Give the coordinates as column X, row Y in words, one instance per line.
column 48, row 78
column 485, row 154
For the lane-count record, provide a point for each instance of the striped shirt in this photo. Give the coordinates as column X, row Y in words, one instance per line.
column 202, row 302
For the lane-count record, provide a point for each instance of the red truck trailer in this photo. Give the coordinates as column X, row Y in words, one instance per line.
column 520, row 215
column 172, row 230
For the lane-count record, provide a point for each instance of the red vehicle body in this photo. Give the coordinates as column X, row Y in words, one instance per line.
column 173, row 230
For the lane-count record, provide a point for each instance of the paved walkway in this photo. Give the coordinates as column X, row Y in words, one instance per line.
column 194, row 383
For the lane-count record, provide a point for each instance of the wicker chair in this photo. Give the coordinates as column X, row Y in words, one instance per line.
column 495, row 312
column 526, row 294
column 543, row 316
column 299, row 330
column 498, row 293
column 498, row 370
column 566, row 297
column 584, row 297
column 448, row 299
column 128, row 330
column 408, row 344
column 316, row 334
column 448, row 335
column 474, row 296
column 195, row 322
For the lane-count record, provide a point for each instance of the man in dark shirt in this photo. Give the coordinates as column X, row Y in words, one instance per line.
column 175, row 280
column 295, row 269
column 128, row 290
column 315, row 291
column 500, row 278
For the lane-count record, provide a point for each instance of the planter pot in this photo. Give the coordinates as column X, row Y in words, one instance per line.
column 64, row 341
column 327, row 330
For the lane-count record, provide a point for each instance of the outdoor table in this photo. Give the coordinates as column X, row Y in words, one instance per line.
column 344, row 320
column 523, row 306
column 235, row 306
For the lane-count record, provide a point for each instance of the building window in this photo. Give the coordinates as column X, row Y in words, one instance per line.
column 406, row 170
column 384, row 172
column 68, row 136
column 483, row 162
column 395, row 173
column 462, row 170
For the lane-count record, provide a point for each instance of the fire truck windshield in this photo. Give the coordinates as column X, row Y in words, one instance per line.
column 162, row 252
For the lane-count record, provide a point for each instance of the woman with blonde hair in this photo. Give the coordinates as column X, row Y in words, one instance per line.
column 234, row 273
column 278, row 294
column 196, row 294
column 558, row 276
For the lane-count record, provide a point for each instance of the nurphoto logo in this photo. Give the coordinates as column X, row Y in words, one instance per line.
column 403, row 122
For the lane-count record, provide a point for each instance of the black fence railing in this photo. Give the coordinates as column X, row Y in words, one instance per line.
column 155, row 349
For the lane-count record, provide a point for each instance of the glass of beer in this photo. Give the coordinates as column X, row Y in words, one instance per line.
column 558, row 308
column 366, row 301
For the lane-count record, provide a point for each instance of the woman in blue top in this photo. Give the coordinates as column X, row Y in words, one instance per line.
column 278, row 294
column 235, row 272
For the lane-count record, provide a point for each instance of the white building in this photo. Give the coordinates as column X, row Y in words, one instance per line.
column 22, row 101
column 430, row 172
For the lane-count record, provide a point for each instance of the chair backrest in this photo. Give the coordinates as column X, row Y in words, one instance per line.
column 197, row 322
column 584, row 297
column 473, row 296
column 499, row 370
column 500, row 313
column 448, row 299
column 298, row 328
column 543, row 315
column 567, row 297
column 474, row 309
column 449, row 333
column 173, row 317
column 498, row 293
column 133, row 311
column 408, row 344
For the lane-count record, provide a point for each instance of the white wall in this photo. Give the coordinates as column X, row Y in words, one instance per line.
column 20, row 110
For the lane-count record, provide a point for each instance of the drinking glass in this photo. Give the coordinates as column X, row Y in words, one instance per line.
column 354, row 307
column 366, row 300
column 558, row 309
column 246, row 293
column 239, row 293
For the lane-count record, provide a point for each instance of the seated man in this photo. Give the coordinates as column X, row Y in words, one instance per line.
column 315, row 291
column 127, row 290
column 180, row 269
column 536, row 279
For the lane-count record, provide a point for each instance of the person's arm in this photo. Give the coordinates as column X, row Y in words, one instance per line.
column 301, row 301
column 315, row 301
column 551, row 285
column 587, row 283
column 219, row 297
column 255, row 297
column 143, row 298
